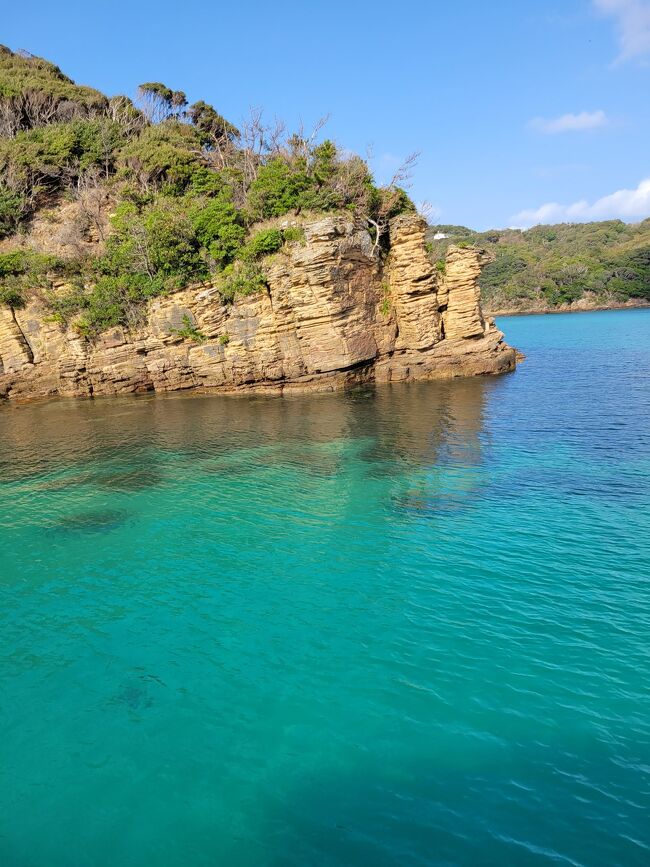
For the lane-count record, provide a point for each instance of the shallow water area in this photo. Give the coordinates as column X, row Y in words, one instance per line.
column 406, row 625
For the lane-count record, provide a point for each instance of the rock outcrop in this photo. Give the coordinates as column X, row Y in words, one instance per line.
column 333, row 316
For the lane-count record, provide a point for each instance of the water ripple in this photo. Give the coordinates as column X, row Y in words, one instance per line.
column 405, row 625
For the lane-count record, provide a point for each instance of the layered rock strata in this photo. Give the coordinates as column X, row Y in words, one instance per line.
column 334, row 315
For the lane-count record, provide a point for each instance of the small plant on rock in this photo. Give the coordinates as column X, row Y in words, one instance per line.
column 189, row 331
column 385, row 304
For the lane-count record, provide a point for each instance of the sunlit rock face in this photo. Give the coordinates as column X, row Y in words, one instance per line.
column 334, row 315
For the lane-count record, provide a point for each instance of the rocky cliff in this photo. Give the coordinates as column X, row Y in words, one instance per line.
column 333, row 316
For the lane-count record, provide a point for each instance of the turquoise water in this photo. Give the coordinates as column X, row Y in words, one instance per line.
column 402, row 626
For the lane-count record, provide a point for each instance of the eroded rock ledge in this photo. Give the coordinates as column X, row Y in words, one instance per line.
column 333, row 316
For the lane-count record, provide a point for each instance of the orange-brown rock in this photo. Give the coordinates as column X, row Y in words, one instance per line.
column 333, row 315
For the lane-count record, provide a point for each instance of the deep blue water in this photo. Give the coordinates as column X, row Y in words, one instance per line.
column 401, row 626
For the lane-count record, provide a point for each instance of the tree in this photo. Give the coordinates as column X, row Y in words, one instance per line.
column 219, row 135
column 161, row 102
column 209, row 121
column 390, row 200
column 123, row 113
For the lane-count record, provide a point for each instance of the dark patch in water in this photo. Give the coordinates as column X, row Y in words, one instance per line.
column 134, row 696
column 430, row 506
column 136, row 693
column 92, row 522
column 313, row 464
column 64, row 483
column 323, row 469
column 304, row 462
column 239, row 469
column 130, row 480
column 383, row 469
column 567, row 483
column 153, row 678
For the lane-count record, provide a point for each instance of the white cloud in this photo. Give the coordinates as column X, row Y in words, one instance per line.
column 623, row 205
column 570, row 122
column 632, row 18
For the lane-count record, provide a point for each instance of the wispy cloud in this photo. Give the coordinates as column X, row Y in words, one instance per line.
column 623, row 205
column 585, row 120
column 632, row 21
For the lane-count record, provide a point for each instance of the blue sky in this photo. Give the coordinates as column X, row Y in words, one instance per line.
column 523, row 111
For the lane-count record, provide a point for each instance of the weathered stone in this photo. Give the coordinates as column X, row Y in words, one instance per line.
column 460, row 296
column 334, row 315
column 413, row 286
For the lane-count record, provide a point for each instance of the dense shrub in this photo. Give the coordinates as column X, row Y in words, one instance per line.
column 218, row 225
column 157, row 241
column 12, row 263
column 562, row 294
column 293, row 233
column 22, row 271
column 12, row 207
column 241, row 279
column 278, row 188
column 504, row 268
column 34, row 92
column 51, row 155
column 164, row 156
column 263, row 243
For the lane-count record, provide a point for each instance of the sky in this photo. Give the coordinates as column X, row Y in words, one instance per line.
column 522, row 111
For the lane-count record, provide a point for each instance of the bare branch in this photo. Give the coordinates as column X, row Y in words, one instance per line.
column 403, row 173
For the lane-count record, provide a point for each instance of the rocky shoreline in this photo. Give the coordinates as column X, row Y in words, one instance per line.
column 581, row 306
column 334, row 315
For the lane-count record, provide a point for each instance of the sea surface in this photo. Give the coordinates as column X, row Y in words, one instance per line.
column 400, row 626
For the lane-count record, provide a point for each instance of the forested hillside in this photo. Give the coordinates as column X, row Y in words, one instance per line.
column 590, row 264
column 124, row 200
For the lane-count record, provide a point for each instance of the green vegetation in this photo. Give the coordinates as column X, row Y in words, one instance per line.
column 22, row 271
column 12, row 208
column 547, row 266
column 293, row 233
column 263, row 243
column 34, row 92
column 240, row 279
column 185, row 189
column 385, row 304
column 189, row 331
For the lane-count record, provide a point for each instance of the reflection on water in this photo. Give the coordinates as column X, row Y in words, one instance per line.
column 126, row 440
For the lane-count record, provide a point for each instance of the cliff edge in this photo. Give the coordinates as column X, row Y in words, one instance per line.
column 333, row 315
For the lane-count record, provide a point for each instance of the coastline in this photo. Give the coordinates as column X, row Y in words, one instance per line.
column 577, row 307
column 332, row 316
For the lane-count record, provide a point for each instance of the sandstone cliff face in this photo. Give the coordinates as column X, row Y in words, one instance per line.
column 333, row 316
